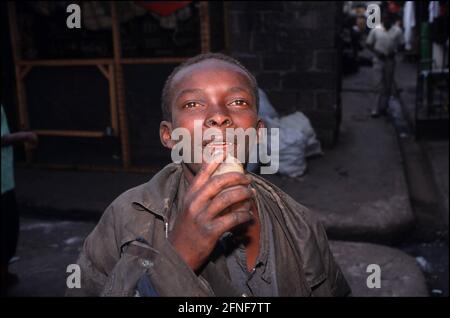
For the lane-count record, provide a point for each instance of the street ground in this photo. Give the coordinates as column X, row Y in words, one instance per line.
column 43, row 262
column 426, row 161
column 45, row 250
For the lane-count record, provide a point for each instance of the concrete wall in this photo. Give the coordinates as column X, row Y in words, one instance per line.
column 293, row 50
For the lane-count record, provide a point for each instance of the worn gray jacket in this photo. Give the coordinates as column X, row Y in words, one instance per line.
column 130, row 241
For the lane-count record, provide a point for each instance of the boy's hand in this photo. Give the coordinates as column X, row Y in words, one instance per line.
column 200, row 225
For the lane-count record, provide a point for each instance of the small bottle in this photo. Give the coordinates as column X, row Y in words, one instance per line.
column 232, row 164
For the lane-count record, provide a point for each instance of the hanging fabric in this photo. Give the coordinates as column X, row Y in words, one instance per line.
column 433, row 10
column 409, row 21
column 168, row 13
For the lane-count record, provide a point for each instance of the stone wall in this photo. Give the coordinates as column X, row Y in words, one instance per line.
column 293, row 50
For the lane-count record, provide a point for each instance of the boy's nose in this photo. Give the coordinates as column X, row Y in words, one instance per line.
column 218, row 120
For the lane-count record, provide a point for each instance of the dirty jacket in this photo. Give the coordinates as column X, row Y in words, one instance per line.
column 130, row 242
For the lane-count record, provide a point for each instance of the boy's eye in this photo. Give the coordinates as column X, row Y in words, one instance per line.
column 190, row 105
column 239, row 102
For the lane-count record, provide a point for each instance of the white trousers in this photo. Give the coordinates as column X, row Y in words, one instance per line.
column 383, row 81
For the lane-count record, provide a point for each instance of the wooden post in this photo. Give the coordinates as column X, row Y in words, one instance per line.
column 25, row 71
column 204, row 27
column 153, row 60
column 65, row 62
column 108, row 72
column 112, row 100
column 104, row 70
column 21, row 95
column 70, row 133
column 120, row 89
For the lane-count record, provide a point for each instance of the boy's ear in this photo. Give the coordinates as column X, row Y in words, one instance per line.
column 165, row 134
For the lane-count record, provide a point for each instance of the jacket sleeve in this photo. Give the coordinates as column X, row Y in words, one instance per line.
column 335, row 285
column 170, row 276
column 99, row 253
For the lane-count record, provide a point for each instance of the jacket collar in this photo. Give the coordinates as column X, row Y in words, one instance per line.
column 159, row 193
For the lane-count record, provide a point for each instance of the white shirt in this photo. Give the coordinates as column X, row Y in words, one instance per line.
column 386, row 42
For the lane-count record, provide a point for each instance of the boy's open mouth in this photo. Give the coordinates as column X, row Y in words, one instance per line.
column 219, row 145
column 217, row 142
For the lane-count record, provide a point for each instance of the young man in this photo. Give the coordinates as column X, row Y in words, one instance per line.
column 179, row 235
column 384, row 41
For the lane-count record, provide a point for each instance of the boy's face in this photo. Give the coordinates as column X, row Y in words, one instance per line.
column 214, row 92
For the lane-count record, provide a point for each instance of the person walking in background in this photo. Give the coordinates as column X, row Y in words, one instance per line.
column 384, row 41
column 9, row 212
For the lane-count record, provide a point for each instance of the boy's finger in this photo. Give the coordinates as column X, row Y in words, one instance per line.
column 226, row 199
column 207, row 169
column 216, row 184
column 228, row 221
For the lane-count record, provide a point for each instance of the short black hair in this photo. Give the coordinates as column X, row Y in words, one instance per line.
column 166, row 96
